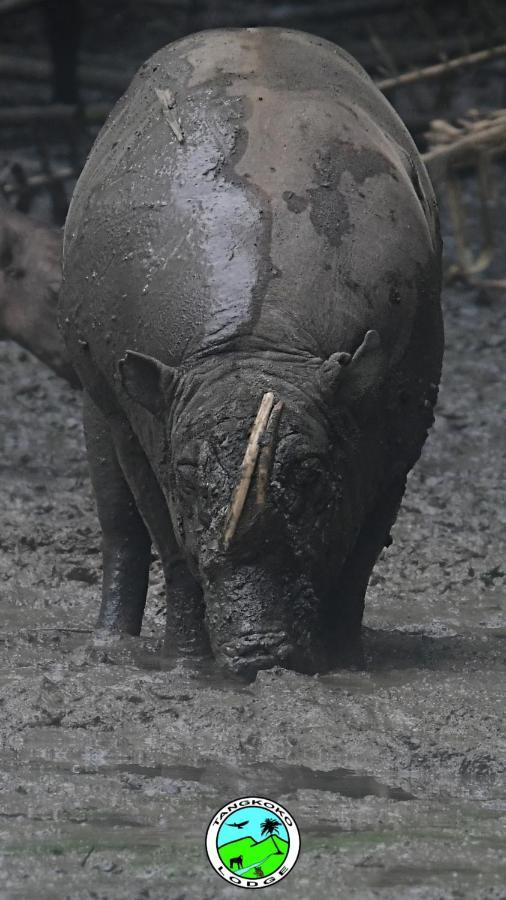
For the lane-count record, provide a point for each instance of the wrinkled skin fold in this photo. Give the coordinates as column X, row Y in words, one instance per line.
column 280, row 236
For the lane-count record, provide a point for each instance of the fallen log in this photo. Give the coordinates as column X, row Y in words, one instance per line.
column 30, row 280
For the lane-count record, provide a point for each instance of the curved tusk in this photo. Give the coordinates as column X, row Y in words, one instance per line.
column 247, row 468
column 265, row 461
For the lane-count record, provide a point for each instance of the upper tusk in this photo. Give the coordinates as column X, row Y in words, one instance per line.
column 247, row 468
column 265, row 461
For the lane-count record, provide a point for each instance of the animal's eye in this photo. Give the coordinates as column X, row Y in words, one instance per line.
column 307, row 471
column 186, row 473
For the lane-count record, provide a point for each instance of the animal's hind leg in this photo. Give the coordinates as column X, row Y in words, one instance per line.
column 126, row 544
column 349, row 609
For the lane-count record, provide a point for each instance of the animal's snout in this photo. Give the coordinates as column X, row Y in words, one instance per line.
column 251, row 652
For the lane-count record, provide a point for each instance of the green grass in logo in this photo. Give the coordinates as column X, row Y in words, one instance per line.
column 255, row 858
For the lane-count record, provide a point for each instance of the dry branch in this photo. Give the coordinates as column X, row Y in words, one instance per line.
column 443, row 68
column 453, row 145
column 491, row 284
column 477, row 140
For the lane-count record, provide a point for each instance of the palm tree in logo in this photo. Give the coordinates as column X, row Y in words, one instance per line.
column 271, row 827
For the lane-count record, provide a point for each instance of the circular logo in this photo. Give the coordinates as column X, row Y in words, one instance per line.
column 252, row 842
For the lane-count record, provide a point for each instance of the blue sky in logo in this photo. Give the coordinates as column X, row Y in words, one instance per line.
column 254, row 816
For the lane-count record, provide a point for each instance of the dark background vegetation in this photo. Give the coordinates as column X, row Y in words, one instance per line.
column 386, row 36
column 94, row 47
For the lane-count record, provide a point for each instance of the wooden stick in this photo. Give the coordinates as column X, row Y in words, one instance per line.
column 492, row 284
column 459, row 62
column 439, row 158
column 87, row 856
column 247, row 468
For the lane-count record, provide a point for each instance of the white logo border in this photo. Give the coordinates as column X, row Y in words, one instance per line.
column 245, row 803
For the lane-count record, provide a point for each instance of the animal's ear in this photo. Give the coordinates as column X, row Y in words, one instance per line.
column 146, row 380
column 353, row 374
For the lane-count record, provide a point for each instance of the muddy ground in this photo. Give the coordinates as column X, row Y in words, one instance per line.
column 113, row 765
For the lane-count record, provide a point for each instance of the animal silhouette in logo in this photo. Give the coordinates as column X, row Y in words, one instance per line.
column 235, row 861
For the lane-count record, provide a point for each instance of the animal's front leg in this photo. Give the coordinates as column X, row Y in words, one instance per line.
column 185, row 632
column 373, row 537
column 126, row 544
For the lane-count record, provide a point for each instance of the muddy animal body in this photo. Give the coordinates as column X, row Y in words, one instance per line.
column 253, row 219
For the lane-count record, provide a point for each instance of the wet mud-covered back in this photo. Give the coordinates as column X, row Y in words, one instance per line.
column 291, row 208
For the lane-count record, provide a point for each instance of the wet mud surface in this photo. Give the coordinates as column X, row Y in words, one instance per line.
column 395, row 771
column 113, row 762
